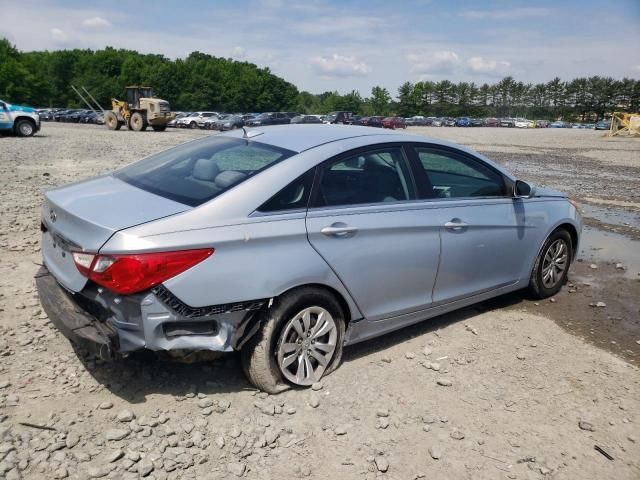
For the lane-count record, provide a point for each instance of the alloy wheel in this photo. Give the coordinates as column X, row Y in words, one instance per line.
column 26, row 129
column 306, row 346
column 555, row 262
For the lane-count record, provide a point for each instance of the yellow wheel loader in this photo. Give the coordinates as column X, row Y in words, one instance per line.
column 140, row 110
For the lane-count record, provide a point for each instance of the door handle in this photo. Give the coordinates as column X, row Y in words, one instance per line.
column 455, row 225
column 338, row 230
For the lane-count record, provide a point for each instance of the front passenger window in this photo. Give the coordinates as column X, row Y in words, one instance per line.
column 453, row 175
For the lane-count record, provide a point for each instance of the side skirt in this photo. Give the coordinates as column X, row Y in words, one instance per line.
column 364, row 329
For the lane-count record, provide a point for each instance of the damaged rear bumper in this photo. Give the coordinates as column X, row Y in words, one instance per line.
column 109, row 325
column 75, row 323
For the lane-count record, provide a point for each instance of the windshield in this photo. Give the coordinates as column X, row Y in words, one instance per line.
column 199, row 171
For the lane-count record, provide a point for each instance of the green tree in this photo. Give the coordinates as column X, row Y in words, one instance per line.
column 380, row 100
column 407, row 101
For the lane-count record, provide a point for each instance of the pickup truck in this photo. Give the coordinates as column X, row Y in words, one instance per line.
column 23, row 121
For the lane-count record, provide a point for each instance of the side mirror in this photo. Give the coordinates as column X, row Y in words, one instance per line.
column 522, row 190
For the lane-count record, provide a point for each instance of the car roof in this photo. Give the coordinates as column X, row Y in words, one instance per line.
column 299, row 138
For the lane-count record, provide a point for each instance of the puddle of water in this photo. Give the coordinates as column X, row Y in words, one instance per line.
column 613, row 216
column 611, row 247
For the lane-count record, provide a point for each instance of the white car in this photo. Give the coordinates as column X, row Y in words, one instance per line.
column 522, row 123
column 18, row 119
column 195, row 120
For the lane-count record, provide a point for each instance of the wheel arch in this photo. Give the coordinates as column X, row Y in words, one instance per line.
column 567, row 225
column 344, row 304
column 20, row 118
column 575, row 239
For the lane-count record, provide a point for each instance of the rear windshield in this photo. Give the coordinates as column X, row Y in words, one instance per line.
column 198, row 171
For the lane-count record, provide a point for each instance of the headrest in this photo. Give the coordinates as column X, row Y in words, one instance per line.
column 205, row 169
column 228, row 178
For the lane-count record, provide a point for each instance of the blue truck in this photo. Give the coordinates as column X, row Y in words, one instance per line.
column 23, row 121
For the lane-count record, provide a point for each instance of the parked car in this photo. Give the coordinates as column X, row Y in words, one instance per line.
column 225, row 122
column 437, row 122
column 477, row 122
column 195, row 120
column 92, row 117
column 375, row 122
column 559, row 124
column 212, row 123
column 542, row 123
column 449, row 122
column 198, row 264
column 45, row 115
column 418, row 121
column 18, row 119
column 491, row 122
column 306, row 119
column 179, row 115
column 463, row 122
column 522, row 123
column 338, row 117
column 393, row 123
column 269, row 118
column 507, row 122
column 235, row 121
column 603, row 125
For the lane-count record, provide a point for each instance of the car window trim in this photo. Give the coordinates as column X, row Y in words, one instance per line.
column 418, row 170
column 317, row 179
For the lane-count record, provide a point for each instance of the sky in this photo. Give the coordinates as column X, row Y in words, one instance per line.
column 322, row 45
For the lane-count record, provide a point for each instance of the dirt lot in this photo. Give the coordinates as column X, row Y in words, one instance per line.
column 506, row 389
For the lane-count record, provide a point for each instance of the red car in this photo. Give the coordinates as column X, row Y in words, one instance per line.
column 394, row 122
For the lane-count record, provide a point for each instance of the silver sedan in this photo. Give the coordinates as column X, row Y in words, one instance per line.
column 287, row 243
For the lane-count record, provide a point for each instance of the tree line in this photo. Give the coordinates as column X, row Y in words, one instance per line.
column 201, row 81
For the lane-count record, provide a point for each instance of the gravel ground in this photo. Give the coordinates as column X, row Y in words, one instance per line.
column 500, row 390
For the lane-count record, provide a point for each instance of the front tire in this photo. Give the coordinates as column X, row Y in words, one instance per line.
column 300, row 341
column 25, row 128
column 138, row 122
column 552, row 265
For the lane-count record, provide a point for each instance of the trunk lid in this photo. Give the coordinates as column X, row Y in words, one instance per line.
column 84, row 215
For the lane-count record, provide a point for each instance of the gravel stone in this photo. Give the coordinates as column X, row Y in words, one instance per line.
column 236, row 468
column 436, row 452
column 382, row 464
column 116, row 434
column 125, row 416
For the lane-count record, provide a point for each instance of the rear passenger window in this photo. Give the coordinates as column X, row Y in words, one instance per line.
column 292, row 197
column 453, row 175
column 375, row 176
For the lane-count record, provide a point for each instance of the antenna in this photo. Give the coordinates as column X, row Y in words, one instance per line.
column 250, row 133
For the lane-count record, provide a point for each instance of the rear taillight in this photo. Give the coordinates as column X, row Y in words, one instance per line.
column 126, row 274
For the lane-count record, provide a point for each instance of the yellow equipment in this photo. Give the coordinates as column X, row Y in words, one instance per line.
column 625, row 123
column 140, row 110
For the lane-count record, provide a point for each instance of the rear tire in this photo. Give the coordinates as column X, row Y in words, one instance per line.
column 262, row 356
column 25, row 128
column 111, row 121
column 193, row 125
column 552, row 265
